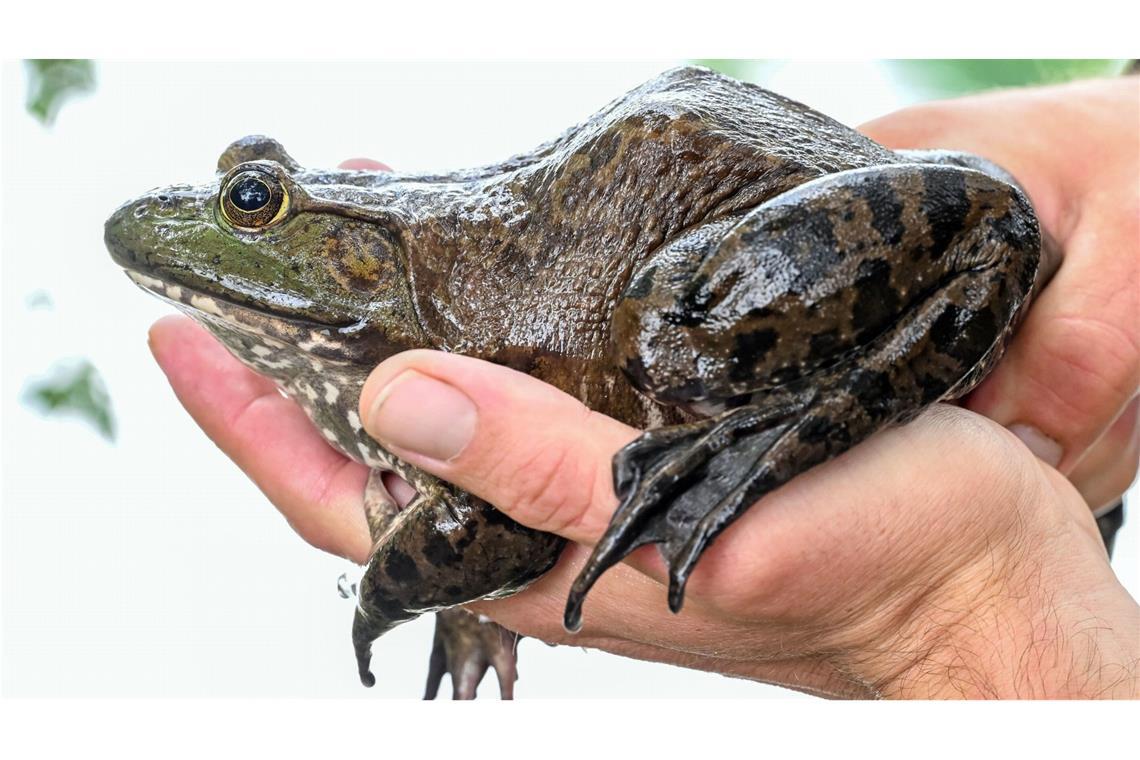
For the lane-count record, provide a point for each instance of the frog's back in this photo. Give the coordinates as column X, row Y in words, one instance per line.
column 690, row 146
column 547, row 241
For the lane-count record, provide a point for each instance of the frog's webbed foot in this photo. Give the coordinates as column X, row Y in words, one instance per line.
column 466, row 646
column 681, row 486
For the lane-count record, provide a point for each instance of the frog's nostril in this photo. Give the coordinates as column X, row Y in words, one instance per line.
column 163, row 198
column 140, row 212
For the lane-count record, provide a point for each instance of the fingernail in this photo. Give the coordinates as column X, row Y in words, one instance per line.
column 422, row 415
column 1042, row 446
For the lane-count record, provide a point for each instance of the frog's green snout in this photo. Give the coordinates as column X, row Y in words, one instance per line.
column 137, row 230
column 117, row 238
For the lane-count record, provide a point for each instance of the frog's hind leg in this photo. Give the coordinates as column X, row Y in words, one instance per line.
column 466, row 646
column 836, row 309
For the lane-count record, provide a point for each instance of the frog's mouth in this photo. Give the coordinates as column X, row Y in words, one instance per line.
column 222, row 305
column 320, row 338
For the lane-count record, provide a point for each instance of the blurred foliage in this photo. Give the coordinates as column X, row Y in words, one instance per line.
column 744, row 69
column 54, row 81
column 40, row 299
column 71, row 387
column 75, row 388
column 947, row 78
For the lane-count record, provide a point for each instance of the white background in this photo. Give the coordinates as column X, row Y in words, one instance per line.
column 151, row 566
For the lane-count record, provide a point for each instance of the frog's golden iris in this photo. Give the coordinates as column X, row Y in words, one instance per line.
column 253, row 199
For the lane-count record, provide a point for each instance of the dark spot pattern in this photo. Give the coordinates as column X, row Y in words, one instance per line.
column 811, row 232
column 815, row 429
column 876, row 302
column 825, row 343
column 750, row 349
column 439, row 552
column 692, row 307
column 873, row 389
column 944, row 331
column 944, row 206
column 977, row 331
column 886, row 211
column 401, row 568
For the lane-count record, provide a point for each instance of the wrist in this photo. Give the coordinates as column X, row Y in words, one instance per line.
column 1032, row 646
column 1035, row 614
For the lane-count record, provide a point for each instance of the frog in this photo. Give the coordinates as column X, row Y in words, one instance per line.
column 753, row 284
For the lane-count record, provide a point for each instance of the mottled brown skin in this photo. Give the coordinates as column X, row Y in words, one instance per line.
column 759, row 285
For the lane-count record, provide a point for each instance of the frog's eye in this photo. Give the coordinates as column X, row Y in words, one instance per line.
column 253, row 200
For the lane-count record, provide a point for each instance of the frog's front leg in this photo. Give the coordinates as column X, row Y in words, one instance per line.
column 445, row 548
column 801, row 328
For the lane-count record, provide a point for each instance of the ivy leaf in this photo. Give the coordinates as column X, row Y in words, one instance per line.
column 54, row 81
column 74, row 388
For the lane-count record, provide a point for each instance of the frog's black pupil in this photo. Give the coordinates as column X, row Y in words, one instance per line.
column 250, row 194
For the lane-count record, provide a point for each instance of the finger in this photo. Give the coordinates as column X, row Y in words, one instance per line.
column 1109, row 467
column 531, row 450
column 1074, row 363
column 366, row 164
column 318, row 490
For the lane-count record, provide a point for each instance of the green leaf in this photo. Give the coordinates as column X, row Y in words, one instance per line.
column 952, row 77
column 54, row 81
column 74, row 388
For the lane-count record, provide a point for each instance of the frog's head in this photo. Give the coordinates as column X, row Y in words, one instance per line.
column 273, row 250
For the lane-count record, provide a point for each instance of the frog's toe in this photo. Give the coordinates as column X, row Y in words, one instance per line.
column 679, row 487
column 466, row 646
column 648, row 450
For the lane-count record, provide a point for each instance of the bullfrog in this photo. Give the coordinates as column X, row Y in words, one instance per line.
column 755, row 285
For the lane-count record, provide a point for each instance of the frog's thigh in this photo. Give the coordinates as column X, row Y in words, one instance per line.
column 879, row 290
column 810, row 278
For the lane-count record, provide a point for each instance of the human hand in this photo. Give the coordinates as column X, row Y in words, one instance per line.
column 928, row 561
column 1068, row 382
column 936, row 559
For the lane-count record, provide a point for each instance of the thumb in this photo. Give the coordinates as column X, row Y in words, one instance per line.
column 536, row 453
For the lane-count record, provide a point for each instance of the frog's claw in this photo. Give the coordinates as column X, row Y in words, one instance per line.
column 680, row 486
column 465, row 646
